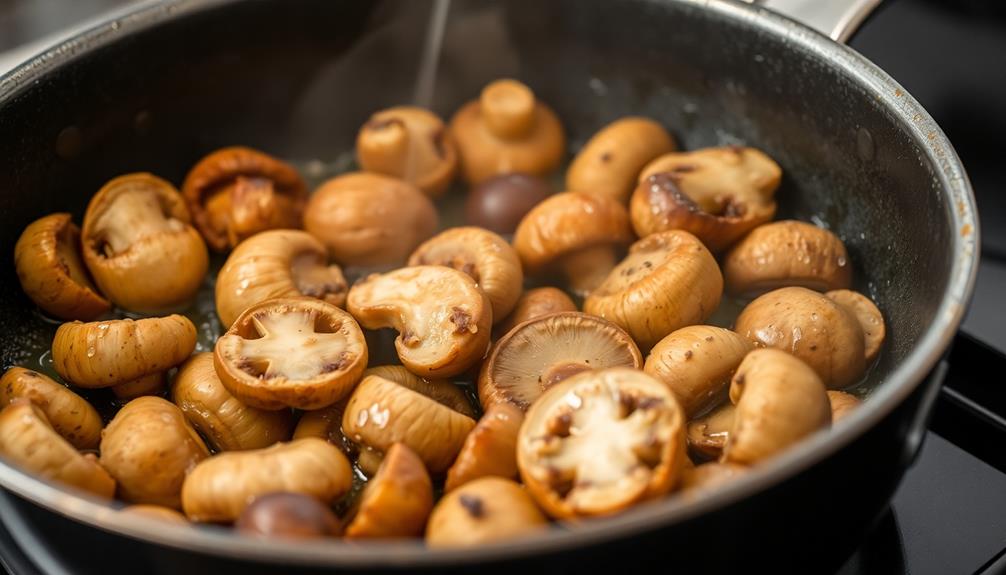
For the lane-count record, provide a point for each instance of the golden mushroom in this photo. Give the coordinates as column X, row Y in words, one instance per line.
column 484, row 511
column 490, row 449
column 535, row 303
column 396, row 501
column 152, row 384
column 158, row 512
column 70, row 415
column 869, row 317
column 709, row 476
column 707, row 434
column 842, row 404
column 409, row 143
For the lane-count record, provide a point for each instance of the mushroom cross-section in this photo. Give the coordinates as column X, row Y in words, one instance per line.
column 409, row 143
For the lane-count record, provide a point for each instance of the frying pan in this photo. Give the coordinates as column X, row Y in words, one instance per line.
column 157, row 88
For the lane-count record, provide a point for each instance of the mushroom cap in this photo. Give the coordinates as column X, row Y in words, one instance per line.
column 842, row 404
column 810, row 326
column 483, row 511
column 288, row 515
column 48, row 264
column 540, row 353
column 409, row 143
column 277, row 263
column 442, row 391
column 291, row 352
column 707, row 434
column 236, row 192
column 70, row 415
column 152, row 384
column 490, row 449
column 139, row 246
column 869, row 317
column 668, row 281
column 397, row 499
column 535, row 303
column 787, row 253
column 369, row 219
column 499, row 203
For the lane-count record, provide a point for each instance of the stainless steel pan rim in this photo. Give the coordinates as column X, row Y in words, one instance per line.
column 901, row 382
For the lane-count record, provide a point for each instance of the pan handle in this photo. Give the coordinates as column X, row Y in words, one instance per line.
column 839, row 19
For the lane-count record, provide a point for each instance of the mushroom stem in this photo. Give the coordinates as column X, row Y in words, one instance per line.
column 508, row 108
column 132, row 217
column 586, row 269
column 386, row 140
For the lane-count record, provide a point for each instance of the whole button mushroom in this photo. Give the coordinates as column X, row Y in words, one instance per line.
column 277, row 263
column 220, row 488
column 443, row 319
column 810, row 326
column 409, row 143
column 490, row 450
column 499, row 203
column 780, row 400
column 718, row 194
column 234, row 193
column 707, row 435
column 535, row 303
column 610, row 162
column 842, row 404
column 29, row 442
column 787, row 253
column 576, row 234
column 484, row 511
column 288, row 515
column 396, row 501
column 149, row 448
column 629, row 417
column 152, row 384
column 869, row 317
column 291, row 352
column 48, row 264
column 369, row 219
column 507, row 130
column 542, row 352
column 484, row 256
column 139, row 246
column 69, row 414
column 668, row 281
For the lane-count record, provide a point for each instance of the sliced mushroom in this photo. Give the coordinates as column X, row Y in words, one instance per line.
column 381, row 413
column 291, row 352
column 490, row 450
column 630, row 419
column 576, row 234
column 787, row 253
column 842, row 404
column 149, row 448
column 718, row 194
column 225, row 422
column 443, row 319
column 69, row 414
column 107, row 353
column 710, row 476
column 48, row 264
column 234, row 193
column 540, row 353
column 152, row 384
column 484, row 511
column 507, row 130
column 139, row 246
column 158, row 512
column 220, row 488
column 668, row 281
column 535, row 303
column 610, row 162
column 484, row 256
column 369, row 219
column 707, row 435
column 409, row 143
column 277, row 263
column 29, row 442
column 810, row 326
column 396, row 501
column 288, row 515
column 499, row 203
column 780, row 400
column 697, row 362
column 870, row 320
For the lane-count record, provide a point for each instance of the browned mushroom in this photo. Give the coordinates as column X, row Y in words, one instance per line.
column 396, row 501
column 869, row 317
column 439, row 390
column 288, row 515
column 409, row 143
column 490, row 449
column 707, row 435
column 842, row 404
column 535, row 303
column 499, row 203
column 152, row 384
column 69, row 414
column 486, row 510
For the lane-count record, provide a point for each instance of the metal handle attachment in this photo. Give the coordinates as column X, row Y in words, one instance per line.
column 839, row 19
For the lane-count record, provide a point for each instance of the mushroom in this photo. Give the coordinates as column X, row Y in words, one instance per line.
column 369, row 219
column 106, row 353
column 48, row 264
column 610, row 162
column 152, row 384
column 576, row 234
column 291, row 352
column 718, row 194
column 225, row 422
column 158, row 512
column 810, row 326
column 70, row 415
column 490, row 450
column 507, row 130
column 707, row 434
column 409, row 143
column 709, row 476
column 871, row 321
column 234, row 193
column 484, row 511
column 787, row 253
column 324, row 423
column 443, row 319
column 149, row 448
column 540, row 353
column 29, row 442
column 780, row 400
column 288, row 515
column 842, row 404
column 499, row 203
column 277, row 263
column 139, row 246
column 440, row 390
column 220, row 488
column 396, row 501
column 535, row 303
column 668, row 281
column 697, row 362
column 600, row 442
column 381, row 413
column 484, row 256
